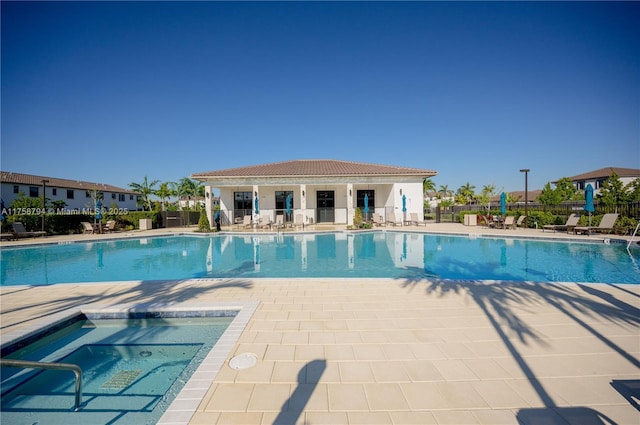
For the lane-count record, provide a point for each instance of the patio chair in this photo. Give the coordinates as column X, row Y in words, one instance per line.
column 265, row 222
column 391, row 219
column 378, row 220
column 509, row 222
column 605, row 226
column 572, row 222
column 414, row 220
column 110, row 226
column 246, row 221
column 520, row 220
column 279, row 221
column 20, row 232
column 87, row 228
column 488, row 221
column 298, row 221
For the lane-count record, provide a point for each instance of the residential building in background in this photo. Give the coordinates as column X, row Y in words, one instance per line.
column 76, row 194
column 598, row 177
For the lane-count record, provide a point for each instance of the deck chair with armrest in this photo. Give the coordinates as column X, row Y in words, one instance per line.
column 378, row 220
column 87, row 228
column 520, row 221
column 605, row 226
column 509, row 222
column 246, row 221
column 20, row 232
column 488, row 221
column 391, row 219
column 265, row 222
column 298, row 221
column 279, row 222
column 572, row 222
column 415, row 220
column 110, row 226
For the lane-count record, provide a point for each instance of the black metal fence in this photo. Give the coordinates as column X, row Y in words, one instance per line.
column 452, row 214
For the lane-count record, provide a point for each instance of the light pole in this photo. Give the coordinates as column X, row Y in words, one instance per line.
column 44, row 188
column 526, row 197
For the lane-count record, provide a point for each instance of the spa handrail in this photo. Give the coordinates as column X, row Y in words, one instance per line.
column 27, row 364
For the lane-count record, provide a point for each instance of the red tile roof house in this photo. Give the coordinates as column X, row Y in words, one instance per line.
column 77, row 194
column 598, row 177
column 320, row 191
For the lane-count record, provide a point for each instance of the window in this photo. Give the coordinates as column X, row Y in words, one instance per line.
column 131, row 197
column 34, row 191
column 371, row 202
column 70, row 194
column 121, row 197
column 600, row 183
column 16, row 188
column 87, row 194
column 242, row 204
column 580, row 185
column 113, row 196
column 54, row 191
column 281, row 202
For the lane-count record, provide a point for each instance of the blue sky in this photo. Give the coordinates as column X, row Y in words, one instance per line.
column 115, row 91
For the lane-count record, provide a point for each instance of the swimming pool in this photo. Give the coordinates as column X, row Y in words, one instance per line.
column 339, row 255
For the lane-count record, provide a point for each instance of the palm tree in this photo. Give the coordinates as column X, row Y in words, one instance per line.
column 164, row 191
column 428, row 185
column 467, row 192
column 488, row 191
column 444, row 191
column 145, row 189
column 188, row 187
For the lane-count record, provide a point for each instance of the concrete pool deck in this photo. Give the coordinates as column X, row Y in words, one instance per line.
column 397, row 351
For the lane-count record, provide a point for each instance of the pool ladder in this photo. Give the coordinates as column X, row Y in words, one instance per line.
column 633, row 236
column 27, row 364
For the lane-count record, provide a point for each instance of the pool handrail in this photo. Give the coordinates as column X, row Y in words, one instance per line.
column 27, row 364
column 633, row 236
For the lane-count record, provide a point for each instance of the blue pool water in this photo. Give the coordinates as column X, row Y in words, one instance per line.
column 370, row 254
column 132, row 370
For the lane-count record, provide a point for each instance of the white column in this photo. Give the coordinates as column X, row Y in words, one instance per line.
column 208, row 202
column 350, row 211
column 303, row 202
column 256, row 193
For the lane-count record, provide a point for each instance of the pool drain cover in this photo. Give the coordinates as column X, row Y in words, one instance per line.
column 243, row 361
column 121, row 380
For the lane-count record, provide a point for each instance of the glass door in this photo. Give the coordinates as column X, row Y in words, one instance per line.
column 325, row 206
column 242, row 205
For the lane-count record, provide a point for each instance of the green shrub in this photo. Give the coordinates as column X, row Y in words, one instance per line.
column 203, row 222
column 357, row 218
column 625, row 225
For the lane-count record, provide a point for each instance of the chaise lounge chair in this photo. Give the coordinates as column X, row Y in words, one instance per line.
column 605, row 226
column 279, row 222
column 488, row 221
column 520, row 221
column 378, row 220
column 87, row 228
column 299, row 221
column 572, row 222
column 265, row 222
column 391, row 219
column 509, row 222
column 110, row 226
column 246, row 222
column 414, row 220
column 20, row 232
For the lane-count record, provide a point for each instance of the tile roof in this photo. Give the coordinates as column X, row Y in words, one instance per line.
column 603, row 173
column 316, row 167
column 30, row 179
